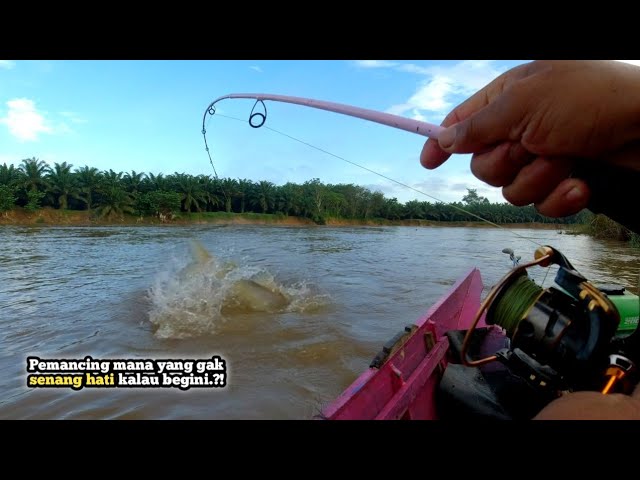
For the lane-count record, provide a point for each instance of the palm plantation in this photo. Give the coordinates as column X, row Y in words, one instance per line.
column 35, row 184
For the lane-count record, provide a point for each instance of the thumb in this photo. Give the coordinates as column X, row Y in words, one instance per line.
column 497, row 122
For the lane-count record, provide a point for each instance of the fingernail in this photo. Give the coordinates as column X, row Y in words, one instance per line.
column 574, row 194
column 447, row 137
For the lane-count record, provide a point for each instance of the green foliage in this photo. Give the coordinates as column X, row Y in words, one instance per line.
column 9, row 175
column 602, row 226
column 34, row 199
column 33, row 174
column 62, row 185
column 472, row 197
column 158, row 203
column 114, row 201
column 319, row 220
column 7, row 198
column 88, row 180
column 117, row 193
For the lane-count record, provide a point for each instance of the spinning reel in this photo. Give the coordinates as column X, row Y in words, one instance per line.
column 562, row 338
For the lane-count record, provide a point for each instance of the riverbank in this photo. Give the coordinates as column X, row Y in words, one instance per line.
column 82, row 218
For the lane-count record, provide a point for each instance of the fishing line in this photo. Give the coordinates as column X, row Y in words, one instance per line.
column 262, row 125
column 514, row 303
column 211, row 111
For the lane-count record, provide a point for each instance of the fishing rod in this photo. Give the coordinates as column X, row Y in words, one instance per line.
column 561, row 338
column 257, row 119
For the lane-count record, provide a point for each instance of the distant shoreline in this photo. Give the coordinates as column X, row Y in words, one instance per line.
column 82, row 218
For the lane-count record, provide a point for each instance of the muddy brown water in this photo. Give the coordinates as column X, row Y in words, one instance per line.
column 118, row 292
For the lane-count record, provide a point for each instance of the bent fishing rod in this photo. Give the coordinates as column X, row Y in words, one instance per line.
column 581, row 315
column 395, row 121
column 597, row 175
column 257, row 119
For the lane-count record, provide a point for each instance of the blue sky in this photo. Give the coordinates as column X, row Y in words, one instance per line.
column 147, row 115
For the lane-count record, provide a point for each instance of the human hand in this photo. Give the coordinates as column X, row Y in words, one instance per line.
column 531, row 127
column 593, row 406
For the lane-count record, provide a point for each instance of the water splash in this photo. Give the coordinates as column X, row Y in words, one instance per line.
column 198, row 295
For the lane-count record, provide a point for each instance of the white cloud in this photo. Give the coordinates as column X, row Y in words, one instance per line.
column 445, row 85
column 7, row 64
column 374, row 64
column 418, row 116
column 24, row 121
column 413, row 68
column 256, row 68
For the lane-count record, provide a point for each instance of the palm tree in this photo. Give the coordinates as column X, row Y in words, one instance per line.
column 112, row 178
column 210, row 190
column 265, row 195
column 62, row 184
column 9, row 175
column 290, row 199
column 229, row 189
column 190, row 190
column 89, row 179
column 413, row 209
column 152, row 183
column 114, row 201
column 133, row 182
column 34, row 174
column 244, row 187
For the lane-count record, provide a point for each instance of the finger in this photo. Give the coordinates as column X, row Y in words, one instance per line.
column 569, row 197
column 501, row 120
column 490, row 92
column 432, row 156
column 485, row 117
column 500, row 165
column 535, row 181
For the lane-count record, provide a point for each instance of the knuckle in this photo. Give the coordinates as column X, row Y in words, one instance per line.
column 482, row 170
column 515, row 196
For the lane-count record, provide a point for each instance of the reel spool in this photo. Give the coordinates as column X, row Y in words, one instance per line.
column 561, row 339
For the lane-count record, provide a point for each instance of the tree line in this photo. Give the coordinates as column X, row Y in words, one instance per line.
column 34, row 184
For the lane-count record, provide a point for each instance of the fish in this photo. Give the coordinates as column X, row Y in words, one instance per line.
column 256, row 294
column 250, row 296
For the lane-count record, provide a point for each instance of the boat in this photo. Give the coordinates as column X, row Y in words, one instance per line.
column 423, row 372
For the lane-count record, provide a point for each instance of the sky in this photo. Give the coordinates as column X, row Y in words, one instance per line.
column 146, row 116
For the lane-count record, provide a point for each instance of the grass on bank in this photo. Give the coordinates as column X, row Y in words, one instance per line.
column 602, row 227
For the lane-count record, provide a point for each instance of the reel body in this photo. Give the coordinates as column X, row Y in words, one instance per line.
column 561, row 338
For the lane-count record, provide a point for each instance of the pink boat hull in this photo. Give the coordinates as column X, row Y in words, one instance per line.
column 403, row 387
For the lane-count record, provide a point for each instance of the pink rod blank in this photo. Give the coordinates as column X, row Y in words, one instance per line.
column 395, row 121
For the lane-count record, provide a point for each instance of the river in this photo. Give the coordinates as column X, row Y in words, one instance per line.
column 122, row 292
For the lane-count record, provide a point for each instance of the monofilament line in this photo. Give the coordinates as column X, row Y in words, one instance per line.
column 383, row 176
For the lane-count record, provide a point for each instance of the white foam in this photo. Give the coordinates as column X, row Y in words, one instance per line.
column 197, row 298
